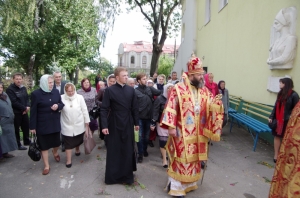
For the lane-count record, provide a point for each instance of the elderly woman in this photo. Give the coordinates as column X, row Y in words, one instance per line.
column 89, row 94
column 158, row 108
column 225, row 100
column 160, row 82
column 45, row 110
column 74, row 121
column 8, row 138
column 210, row 84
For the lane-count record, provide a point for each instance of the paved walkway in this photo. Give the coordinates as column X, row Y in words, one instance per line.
column 233, row 172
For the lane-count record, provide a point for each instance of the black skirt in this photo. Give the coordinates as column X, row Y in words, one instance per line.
column 274, row 133
column 71, row 142
column 45, row 142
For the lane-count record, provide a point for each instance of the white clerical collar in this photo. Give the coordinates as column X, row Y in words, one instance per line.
column 122, row 85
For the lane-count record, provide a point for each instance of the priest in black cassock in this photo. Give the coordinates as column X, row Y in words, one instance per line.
column 119, row 118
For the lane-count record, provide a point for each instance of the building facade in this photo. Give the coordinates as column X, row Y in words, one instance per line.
column 235, row 40
column 137, row 57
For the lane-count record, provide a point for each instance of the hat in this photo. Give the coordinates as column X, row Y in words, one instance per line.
column 280, row 17
column 194, row 65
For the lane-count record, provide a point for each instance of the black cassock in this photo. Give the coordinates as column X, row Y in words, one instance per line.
column 119, row 113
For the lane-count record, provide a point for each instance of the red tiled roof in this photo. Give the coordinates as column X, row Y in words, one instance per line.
column 144, row 46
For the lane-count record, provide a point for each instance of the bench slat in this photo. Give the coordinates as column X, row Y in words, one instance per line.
column 236, row 103
column 258, row 104
column 262, row 116
column 258, row 109
column 249, row 123
column 262, row 125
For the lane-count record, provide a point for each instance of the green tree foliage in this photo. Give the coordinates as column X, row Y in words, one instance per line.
column 35, row 31
column 164, row 20
column 165, row 65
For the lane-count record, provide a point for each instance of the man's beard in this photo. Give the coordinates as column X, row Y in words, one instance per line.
column 197, row 83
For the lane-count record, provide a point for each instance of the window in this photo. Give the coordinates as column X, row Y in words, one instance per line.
column 121, row 61
column 222, row 4
column 207, row 11
column 144, row 61
column 132, row 60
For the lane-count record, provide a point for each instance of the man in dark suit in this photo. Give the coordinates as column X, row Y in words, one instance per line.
column 17, row 93
column 58, row 83
column 60, row 86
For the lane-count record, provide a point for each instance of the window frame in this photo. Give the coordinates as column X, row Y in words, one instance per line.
column 207, row 12
column 222, row 4
column 132, row 59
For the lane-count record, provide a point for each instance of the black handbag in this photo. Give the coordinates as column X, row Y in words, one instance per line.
column 273, row 124
column 34, row 152
column 94, row 112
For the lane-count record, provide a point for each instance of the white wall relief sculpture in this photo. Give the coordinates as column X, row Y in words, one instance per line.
column 283, row 39
column 273, row 83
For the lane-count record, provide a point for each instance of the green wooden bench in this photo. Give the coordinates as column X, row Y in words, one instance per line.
column 235, row 102
column 254, row 118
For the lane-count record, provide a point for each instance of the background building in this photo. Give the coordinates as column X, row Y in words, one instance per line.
column 232, row 37
column 136, row 57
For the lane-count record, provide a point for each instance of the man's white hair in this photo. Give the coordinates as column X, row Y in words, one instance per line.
column 130, row 79
column 56, row 72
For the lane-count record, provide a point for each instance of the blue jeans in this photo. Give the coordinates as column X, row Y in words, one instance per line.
column 143, row 136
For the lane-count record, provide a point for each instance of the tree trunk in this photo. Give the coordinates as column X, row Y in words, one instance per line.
column 71, row 75
column 156, row 51
column 154, row 61
column 76, row 75
column 37, row 74
column 37, row 15
column 30, row 71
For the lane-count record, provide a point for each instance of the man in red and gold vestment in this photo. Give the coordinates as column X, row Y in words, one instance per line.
column 286, row 178
column 193, row 117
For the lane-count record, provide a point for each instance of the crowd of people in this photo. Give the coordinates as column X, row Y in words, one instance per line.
column 185, row 114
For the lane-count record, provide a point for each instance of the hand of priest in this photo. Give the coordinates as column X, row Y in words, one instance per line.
column 136, row 128
column 172, row 132
column 105, row 131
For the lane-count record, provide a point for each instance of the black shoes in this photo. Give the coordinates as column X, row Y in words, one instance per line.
column 150, row 143
column 203, row 165
column 7, row 155
column 77, row 154
column 275, row 160
column 140, row 159
column 69, row 165
column 63, row 148
column 22, row 148
column 146, row 154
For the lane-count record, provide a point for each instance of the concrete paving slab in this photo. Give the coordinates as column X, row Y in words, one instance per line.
column 233, row 172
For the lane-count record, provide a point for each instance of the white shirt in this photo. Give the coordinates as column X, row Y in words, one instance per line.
column 74, row 115
column 58, row 87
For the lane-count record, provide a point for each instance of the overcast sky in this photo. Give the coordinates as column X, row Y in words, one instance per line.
column 127, row 29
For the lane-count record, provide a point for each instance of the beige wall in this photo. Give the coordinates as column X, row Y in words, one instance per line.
column 235, row 45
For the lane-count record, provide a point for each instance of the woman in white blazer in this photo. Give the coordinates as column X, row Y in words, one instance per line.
column 74, row 121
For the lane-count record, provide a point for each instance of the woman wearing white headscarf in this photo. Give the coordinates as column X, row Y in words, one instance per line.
column 158, row 108
column 74, row 121
column 45, row 110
